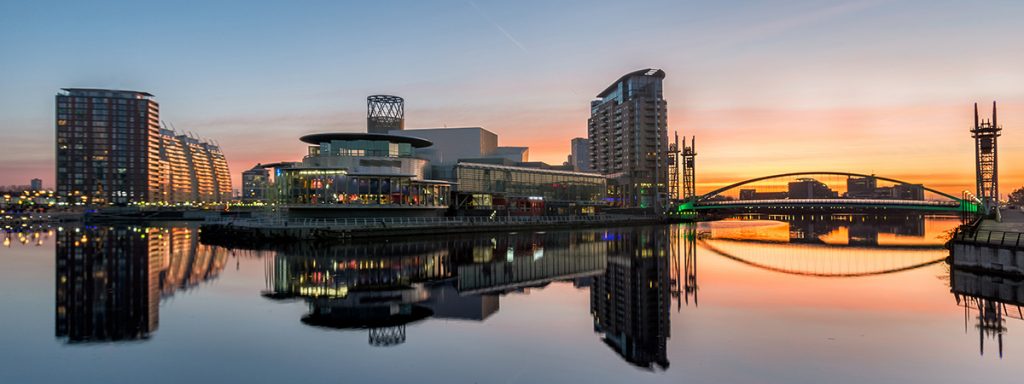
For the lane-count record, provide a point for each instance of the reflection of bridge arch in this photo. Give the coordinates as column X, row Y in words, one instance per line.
column 823, row 260
column 718, row 191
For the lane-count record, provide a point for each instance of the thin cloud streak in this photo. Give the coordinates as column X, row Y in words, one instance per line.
column 496, row 25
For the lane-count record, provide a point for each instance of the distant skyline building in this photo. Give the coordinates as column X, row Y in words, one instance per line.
column 628, row 136
column 488, row 178
column 580, row 157
column 255, row 184
column 384, row 113
column 807, row 188
column 36, row 184
column 111, row 150
column 867, row 188
column 861, row 187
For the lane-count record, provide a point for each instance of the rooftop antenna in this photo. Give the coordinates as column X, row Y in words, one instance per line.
column 993, row 113
column 975, row 114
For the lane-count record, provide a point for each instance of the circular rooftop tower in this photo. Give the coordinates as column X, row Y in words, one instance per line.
column 384, row 113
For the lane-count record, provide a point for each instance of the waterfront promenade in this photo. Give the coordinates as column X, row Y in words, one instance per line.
column 995, row 246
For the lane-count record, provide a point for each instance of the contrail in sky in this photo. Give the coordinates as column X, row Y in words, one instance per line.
column 503, row 31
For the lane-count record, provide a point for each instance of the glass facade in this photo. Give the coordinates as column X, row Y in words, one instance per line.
column 550, row 185
column 365, row 148
column 360, row 170
column 335, row 186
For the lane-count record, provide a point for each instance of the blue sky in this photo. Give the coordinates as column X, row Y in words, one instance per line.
column 256, row 75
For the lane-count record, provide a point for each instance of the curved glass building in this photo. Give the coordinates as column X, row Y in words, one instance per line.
column 347, row 173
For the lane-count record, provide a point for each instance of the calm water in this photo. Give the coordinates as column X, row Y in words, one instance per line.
column 841, row 299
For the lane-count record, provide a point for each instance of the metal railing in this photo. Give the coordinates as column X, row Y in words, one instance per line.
column 993, row 238
column 409, row 222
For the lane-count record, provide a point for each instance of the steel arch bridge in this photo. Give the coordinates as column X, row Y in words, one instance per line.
column 717, row 201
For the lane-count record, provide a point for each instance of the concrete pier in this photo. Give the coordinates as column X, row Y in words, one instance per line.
column 991, row 246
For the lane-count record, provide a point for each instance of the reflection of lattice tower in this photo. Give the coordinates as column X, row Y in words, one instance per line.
column 387, row 336
column 690, row 263
column 689, row 169
column 985, row 134
column 673, row 169
column 384, row 113
column 991, row 320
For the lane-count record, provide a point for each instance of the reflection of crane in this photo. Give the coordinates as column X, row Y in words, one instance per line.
column 690, row 264
column 992, row 297
column 991, row 318
column 684, row 269
column 689, row 169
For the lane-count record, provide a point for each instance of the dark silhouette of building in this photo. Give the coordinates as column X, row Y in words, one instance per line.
column 628, row 136
column 753, row 194
column 580, row 157
column 867, row 188
column 807, row 188
column 908, row 191
column 861, row 187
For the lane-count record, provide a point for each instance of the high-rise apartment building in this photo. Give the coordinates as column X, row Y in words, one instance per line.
column 580, row 158
column 111, row 150
column 107, row 146
column 628, row 136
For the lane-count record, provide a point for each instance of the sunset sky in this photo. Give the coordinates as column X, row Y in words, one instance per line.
column 881, row 87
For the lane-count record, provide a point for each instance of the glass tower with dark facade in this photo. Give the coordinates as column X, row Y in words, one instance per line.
column 107, row 146
column 628, row 135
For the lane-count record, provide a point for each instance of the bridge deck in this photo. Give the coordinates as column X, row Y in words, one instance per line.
column 831, row 202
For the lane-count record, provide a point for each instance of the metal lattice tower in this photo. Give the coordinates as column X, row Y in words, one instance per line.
column 986, row 155
column 673, row 169
column 384, row 113
column 689, row 169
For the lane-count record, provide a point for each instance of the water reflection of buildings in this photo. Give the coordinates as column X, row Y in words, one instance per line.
column 683, row 270
column 27, row 235
column 630, row 301
column 384, row 286
column 110, row 279
column 991, row 299
column 863, row 230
